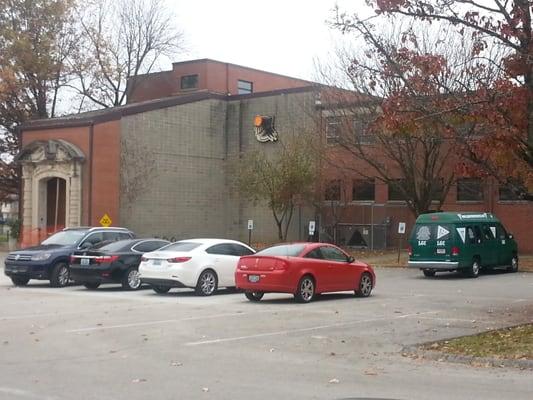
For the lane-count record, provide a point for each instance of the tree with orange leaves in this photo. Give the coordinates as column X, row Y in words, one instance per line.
column 475, row 81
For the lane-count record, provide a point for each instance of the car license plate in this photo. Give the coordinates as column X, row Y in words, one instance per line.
column 157, row 262
column 85, row 261
column 253, row 278
column 441, row 251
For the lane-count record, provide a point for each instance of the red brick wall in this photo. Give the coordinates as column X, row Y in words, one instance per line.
column 214, row 76
column 517, row 217
column 105, row 166
column 106, row 172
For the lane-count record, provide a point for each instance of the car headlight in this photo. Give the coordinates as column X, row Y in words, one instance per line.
column 41, row 257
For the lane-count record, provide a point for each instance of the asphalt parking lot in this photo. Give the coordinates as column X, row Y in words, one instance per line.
column 72, row 343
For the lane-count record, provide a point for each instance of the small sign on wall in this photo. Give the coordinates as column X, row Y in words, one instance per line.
column 312, row 226
column 250, row 224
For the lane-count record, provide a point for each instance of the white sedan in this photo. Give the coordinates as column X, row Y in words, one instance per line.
column 202, row 264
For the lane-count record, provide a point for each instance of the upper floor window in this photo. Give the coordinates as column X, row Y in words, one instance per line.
column 395, row 190
column 363, row 190
column 361, row 133
column 333, row 129
column 469, row 189
column 189, row 82
column 512, row 190
column 245, row 87
column 333, row 191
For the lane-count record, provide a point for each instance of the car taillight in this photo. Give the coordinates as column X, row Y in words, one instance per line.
column 105, row 259
column 455, row 251
column 281, row 265
column 410, row 250
column 178, row 259
column 72, row 259
column 144, row 259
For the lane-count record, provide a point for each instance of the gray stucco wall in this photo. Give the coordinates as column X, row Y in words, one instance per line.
column 177, row 178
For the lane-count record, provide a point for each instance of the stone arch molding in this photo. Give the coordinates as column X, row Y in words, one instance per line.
column 40, row 161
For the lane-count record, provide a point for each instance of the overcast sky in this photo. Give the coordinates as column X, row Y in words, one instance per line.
column 282, row 36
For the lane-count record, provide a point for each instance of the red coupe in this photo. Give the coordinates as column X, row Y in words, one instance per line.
column 303, row 269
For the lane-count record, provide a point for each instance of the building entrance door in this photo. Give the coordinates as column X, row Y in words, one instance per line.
column 55, row 204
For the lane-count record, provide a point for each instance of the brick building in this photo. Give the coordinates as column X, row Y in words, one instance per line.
column 161, row 165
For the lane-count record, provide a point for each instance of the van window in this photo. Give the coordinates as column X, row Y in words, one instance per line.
column 473, row 234
column 432, row 232
column 487, row 233
column 500, row 232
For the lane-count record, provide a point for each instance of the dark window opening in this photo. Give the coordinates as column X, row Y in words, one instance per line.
column 469, row 189
column 189, row 82
column 361, row 133
column 363, row 190
column 245, row 87
column 513, row 190
column 395, row 190
column 333, row 128
column 333, row 191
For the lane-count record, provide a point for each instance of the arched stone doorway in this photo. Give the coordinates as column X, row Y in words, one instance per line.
column 52, row 182
column 53, row 204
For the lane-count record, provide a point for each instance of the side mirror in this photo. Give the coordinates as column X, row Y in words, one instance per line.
column 350, row 259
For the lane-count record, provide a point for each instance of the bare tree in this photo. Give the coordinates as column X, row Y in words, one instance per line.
column 413, row 93
column 122, row 40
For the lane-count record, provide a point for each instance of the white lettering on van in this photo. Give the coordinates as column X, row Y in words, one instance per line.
column 441, row 243
column 421, row 242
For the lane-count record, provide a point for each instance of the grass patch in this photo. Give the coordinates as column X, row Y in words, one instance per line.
column 514, row 343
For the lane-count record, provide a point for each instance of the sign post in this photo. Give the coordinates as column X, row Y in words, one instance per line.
column 312, row 225
column 250, row 229
column 401, row 231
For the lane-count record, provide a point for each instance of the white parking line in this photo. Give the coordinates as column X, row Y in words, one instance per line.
column 24, row 394
column 168, row 321
column 312, row 328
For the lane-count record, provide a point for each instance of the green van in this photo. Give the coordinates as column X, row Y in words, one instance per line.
column 461, row 241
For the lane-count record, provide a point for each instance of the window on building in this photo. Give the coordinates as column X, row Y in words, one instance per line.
column 363, row 190
column 395, row 192
column 361, row 132
column 245, row 87
column 469, row 189
column 512, row 190
column 333, row 191
column 333, row 129
column 438, row 189
column 189, row 82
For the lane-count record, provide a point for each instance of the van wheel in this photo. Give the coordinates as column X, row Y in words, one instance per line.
column 92, row 285
column 514, row 264
column 429, row 272
column 254, row 296
column 473, row 271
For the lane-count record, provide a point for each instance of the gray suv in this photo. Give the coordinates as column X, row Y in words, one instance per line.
column 50, row 260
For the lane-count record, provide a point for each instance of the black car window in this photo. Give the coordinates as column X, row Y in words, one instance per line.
column 333, row 254
column 181, row 246
column 115, row 246
column 225, row 249
column 112, row 236
column 240, row 250
column 94, row 238
column 149, row 245
column 316, row 254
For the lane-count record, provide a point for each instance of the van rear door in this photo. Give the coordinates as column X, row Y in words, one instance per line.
column 432, row 242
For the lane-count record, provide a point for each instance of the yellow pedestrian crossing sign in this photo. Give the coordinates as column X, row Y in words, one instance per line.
column 105, row 220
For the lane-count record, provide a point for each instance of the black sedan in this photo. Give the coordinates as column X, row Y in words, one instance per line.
column 115, row 262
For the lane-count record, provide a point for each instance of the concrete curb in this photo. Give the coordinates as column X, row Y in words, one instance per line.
column 415, row 350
